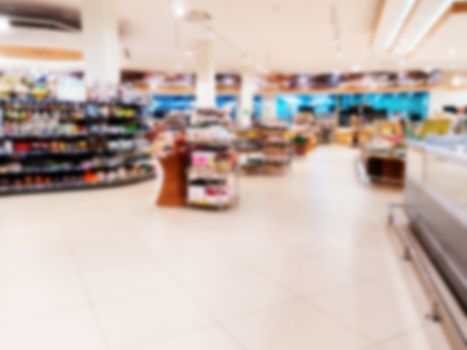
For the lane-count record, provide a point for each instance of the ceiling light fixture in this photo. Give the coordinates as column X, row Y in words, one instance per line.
column 5, row 24
column 356, row 68
column 429, row 23
column 178, row 8
column 400, row 21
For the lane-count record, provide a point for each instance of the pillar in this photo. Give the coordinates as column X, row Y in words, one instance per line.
column 246, row 103
column 205, row 74
column 269, row 108
column 101, row 43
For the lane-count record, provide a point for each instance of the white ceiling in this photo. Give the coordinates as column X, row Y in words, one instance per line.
column 281, row 35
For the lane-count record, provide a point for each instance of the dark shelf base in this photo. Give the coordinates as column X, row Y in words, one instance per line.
column 75, row 187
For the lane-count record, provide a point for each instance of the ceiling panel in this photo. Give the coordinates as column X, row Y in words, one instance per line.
column 288, row 36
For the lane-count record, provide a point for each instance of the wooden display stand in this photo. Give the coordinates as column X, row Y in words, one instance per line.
column 384, row 169
column 173, row 191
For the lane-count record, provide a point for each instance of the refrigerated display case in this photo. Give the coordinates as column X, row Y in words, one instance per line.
column 436, row 202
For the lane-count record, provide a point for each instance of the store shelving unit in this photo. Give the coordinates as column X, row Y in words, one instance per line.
column 50, row 145
column 265, row 149
column 277, row 149
column 250, row 150
column 304, row 134
column 212, row 173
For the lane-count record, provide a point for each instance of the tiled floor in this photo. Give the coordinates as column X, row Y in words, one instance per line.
column 303, row 262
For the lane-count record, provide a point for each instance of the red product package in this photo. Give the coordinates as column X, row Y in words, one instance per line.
column 22, row 147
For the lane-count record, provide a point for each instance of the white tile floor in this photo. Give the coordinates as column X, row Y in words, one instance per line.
column 303, row 262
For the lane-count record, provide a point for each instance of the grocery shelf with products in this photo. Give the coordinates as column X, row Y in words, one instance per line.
column 52, row 145
column 265, row 149
column 212, row 172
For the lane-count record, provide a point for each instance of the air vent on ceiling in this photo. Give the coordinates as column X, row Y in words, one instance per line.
column 36, row 23
column 41, row 16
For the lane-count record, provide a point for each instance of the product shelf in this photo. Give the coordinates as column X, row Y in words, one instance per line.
column 264, row 150
column 73, row 186
column 33, row 158
column 212, row 175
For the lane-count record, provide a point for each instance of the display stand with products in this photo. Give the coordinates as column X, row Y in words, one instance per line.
column 304, row 134
column 265, row 149
column 276, row 148
column 174, row 184
column 212, row 173
column 383, row 156
column 171, row 150
column 250, row 150
column 384, row 168
column 50, row 145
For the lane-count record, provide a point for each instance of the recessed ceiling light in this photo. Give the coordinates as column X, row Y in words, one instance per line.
column 5, row 24
column 356, row 68
column 178, row 8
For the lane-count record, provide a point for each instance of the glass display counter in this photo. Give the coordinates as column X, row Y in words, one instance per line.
column 436, row 201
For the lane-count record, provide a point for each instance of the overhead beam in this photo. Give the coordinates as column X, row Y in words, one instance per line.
column 40, row 53
column 434, row 28
column 379, row 16
column 391, row 19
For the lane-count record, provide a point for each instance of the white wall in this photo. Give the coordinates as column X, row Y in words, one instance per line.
column 441, row 98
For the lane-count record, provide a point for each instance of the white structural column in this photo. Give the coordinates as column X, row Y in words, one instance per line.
column 247, row 95
column 205, row 74
column 101, row 44
column 269, row 107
